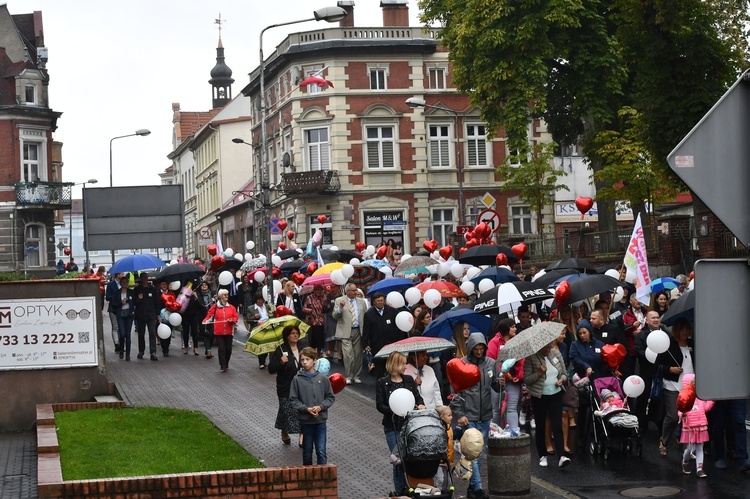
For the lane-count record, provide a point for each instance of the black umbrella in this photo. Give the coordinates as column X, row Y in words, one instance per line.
column 486, row 254
column 591, row 285
column 286, row 254
column 292, row 266
column 180, row 272
column 682, row 308
column 551, row 276
column 232, row 265
column 345, row 256
column 510, row 295
column 571, row 263
column 498, row 275
column 330, row 256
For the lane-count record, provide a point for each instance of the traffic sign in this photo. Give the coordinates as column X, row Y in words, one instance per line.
column 275, row 229
column 205, row 232
column 491, row 218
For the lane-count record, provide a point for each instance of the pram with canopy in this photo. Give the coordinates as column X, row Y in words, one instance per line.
column 613, row 424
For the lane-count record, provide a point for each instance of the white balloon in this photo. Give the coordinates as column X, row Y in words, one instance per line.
column 334, row 248
column 239, row 256
column 354, row 261
column 386, row 270
column 394, row 299
column 262, row 256
column 691, row 285
column 259, row 276
column 276, row 287
column 658, row 341
column 432, row 298
column 413, row 295
column 405, row 321
column 225, row 278
column 164, row 332
column 175, row 285
column 249, row 245
column 264, row 292
column 175, row 319
column 347, row 270
column 467, row 287
column 276, row 260
column 401, row 401
column 338, row 277
column 613, row 273
column 370, row 250
column 651, row 355
column 633, row 386
column 248, row 257
column 443, row 269
column 619, row 294
column 229, row 252
column 436, row 255
column 486, row 285
column 472, row 272
column 630, row 276
column 405, row 257
column 457, row 270
column 172, row 261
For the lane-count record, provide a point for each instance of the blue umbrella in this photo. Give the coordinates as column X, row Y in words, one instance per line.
column 498, row 275
column 375, row 263
column 442, row 327
column 662, row 283
column 131, row 263
column 390, row 284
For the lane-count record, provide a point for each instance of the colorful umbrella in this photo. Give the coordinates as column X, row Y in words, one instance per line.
column 328, row 268
column 364, row 275
column 375, row 263
column 415, row 344
column 322, row 279
column 662, row 283
column 447, row 289
column 531, row 340
column 415, row 265
column 139, row 261
column 267, row 337
column 442, row 327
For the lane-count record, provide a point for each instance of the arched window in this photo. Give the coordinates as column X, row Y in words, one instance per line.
column 34, row 247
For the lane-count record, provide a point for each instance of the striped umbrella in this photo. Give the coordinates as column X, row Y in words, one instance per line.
column 266, row 337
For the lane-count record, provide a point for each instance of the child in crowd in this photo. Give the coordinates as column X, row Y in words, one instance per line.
column 610, row 400
column 694, row 430
column 446, row 416
column 311, row 396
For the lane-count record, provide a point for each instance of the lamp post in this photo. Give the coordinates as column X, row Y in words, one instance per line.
column 70, row 224
column 328, row 14
column 415, row 102
column 141, row 132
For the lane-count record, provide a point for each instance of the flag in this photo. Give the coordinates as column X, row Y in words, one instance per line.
column 636, row 261
column 320, row 259
column 219, row 247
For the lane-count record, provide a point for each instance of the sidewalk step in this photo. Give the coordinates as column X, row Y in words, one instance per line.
column 106, row 398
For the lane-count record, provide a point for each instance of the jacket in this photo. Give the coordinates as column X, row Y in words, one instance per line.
column 281, row 300
column 383, row 389
column 531, row 368
column 147, row 302
column 585, row 355
column 379, row 331
column 430, row 387
column 116, row 303
column 223, row 318
column 476, row 402
column 344, row 318
column 285, row 373
column 645, row 368
column 308, row 391
column 110, row 292
column 695, row 417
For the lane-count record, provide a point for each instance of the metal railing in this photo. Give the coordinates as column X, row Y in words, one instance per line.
column 312, row 182
column 57, row 194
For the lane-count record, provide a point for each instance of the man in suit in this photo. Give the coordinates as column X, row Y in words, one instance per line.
column 349, row 314
column 379, row 329
column 112, row 294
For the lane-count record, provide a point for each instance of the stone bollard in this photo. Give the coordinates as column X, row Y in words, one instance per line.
column 509, row 465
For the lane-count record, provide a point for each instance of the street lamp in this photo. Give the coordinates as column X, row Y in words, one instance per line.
column 328, row 14
column 70, row 216
column 415, row 102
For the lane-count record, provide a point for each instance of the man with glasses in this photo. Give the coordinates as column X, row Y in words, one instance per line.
column 349, row 314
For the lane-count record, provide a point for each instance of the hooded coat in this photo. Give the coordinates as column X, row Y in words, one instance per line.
column 585, row 355
column 308, row 391
column 476, row 402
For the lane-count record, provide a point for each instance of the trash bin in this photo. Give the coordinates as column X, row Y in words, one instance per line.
column 509, row 465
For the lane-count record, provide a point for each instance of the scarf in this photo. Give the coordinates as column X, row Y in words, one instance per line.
column 316, row 317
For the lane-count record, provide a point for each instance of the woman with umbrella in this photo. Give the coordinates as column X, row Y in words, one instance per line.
column 285, row 364
column 258, row 313
column 425, row 379
column 223, row 316
column 291, row 300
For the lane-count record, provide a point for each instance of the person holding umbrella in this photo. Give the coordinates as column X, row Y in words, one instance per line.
column 425, row 379
column 285, row 363
column 224, row 316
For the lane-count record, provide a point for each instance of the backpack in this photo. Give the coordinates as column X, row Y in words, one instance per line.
column 423, row 436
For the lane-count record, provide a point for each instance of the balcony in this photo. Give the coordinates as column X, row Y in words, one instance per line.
column 314, row 182
column 44, row 194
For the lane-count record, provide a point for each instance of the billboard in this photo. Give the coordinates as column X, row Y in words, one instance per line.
column 150, row 216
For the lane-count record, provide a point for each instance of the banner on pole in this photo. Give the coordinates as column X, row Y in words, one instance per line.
column 636, row 261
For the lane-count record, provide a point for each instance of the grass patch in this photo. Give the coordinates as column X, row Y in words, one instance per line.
column 120, row 442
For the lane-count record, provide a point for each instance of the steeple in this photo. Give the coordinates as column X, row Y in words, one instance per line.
column 221, row 76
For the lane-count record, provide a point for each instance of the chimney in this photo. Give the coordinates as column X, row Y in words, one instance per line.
column 395, row 13
column 348, row 6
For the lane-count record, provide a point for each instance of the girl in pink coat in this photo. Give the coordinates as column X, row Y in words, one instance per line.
column 694, row 430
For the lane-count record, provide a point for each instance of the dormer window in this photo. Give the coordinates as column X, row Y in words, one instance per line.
column 30, row 99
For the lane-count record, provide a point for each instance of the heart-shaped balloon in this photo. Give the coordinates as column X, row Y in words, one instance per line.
column 446, row 252
column 462, row 250
column 217, row 262
column 212, row 248
column 430, row 245
column 282, row 310
column 338, row 382
column 584, row 204
column 322, row 219
column 482, row 230
column 562, row 294
column 469, row 235
column 461, row 374
column 519, row 250
column 360, row 246
column 282, row 245
column 173, row 306
column 686, row 398
column 167, row 298
column 613, row 355
column 298, row 278
column 282, row 224
column 381, row 252
column 472, row 242
column 501, row 259
column 276, row 272
column 311, row 268
column 290, row 235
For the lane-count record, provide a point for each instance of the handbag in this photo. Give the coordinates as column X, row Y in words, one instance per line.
column 570, row 397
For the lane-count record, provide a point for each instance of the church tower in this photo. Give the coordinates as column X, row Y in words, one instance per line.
column 221, row 76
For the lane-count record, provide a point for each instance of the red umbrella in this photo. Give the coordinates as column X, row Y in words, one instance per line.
column 447, row 289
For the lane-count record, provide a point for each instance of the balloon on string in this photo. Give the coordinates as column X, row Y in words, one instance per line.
column 394, row 299
column 248, row 257
column 229, row 252
column 371, row 250
column 386, row 270
column 276, row 260
column 457, row 270
column 633, row 386
column 468, row 288
column 486, row 285
column 322, row 365
column 259, row 276
column 651, row 355
column 401, row 401
column 334, row 248
column 472, row 272
column 338, row 278
column 249, row 245
column 276, row 287
column 175, row 319
column 405, row 321
column 406, row 256
column 175, row 285
column 338, row 382
column 164, row 331
column 619, row 294
column 354, row 261
column 658, row 341
column 613, row 274
column 443, row 269
column 225, row 278
column 173, row 261
column 432, row 298
column 347, row 270
column 630, row 276
column 413, row 295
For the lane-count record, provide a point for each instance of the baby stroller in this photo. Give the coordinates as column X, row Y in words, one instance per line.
column 612, row 424
column 423, row 446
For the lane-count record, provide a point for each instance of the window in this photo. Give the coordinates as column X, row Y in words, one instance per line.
column 436, row 78
column 380, row 147
column 439, row 146
column 62, row 243
column 317, row 149
column 377, row 79
column 316, row 70
column 34, row 245
column 30, row 162
column 521, row 219
column 442, row 225
column 325, row 228
column 30, row 95
column 476, row 141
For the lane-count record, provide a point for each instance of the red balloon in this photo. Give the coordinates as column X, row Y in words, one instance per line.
column 462, row 375
column 311, row 268
column 462, row 250
column 692, row 275
column 501, row 259
column 469, row 235
column 472, row 242
column 298, row 278
column 212, row 248
column 322, row 219
column 381, row 252
column 290, row 235
column 562, row 294
column 686, row 398
column 482, row 231
column 338, row 382
column 519, row 250
column 217, row 262
column 430, row 245
column 446, row 252
column 613, row 355
column 584, row 205
column 167, row 298
column 173, row 306
column 282, row 310
column 282, row 245
column 67, row 251
column 360, row 246
column 276, row 273
column 282, row 224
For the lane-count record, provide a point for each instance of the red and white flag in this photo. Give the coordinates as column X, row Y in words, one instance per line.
column 636, row 261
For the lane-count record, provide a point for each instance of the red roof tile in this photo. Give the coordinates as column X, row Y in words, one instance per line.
column 189, row 122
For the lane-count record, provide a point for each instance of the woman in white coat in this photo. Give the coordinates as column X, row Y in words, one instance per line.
column 424, row 377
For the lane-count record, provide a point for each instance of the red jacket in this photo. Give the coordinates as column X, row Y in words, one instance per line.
column 224, row 318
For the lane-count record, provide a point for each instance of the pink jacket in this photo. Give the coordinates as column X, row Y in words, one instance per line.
column 696, row 416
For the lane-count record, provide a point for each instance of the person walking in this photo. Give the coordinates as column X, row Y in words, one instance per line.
column 284, row 363
column 311, row 396
column 349, row 313
column 379, row 329
column 124, row 309
column 111, row 294
column 425, row 379
column 647, row 371
column 224, row 316
column 315, row 308
column 147, row 307
column 676, row 361
column 291, row 300
column 694, row 430
column 205, row 299
column 191, row 323
column 258, row 313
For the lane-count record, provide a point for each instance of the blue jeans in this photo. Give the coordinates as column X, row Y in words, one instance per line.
column 399, row 477
column 475, row 482
column 124, row 326
column 313, row 434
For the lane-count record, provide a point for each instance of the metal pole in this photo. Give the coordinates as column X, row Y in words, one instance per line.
column 461, row 207
column 70, row 225
column 265, row 182
column 83, row 220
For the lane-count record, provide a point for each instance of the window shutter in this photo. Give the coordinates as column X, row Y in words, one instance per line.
column 388, row 155
column 372, row 155
column 325, row 161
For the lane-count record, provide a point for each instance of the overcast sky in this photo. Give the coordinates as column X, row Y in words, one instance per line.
column 116, row 67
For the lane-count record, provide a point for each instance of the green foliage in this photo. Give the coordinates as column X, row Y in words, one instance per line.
column 108, row 443
column 15, row 276
column 69, row 275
